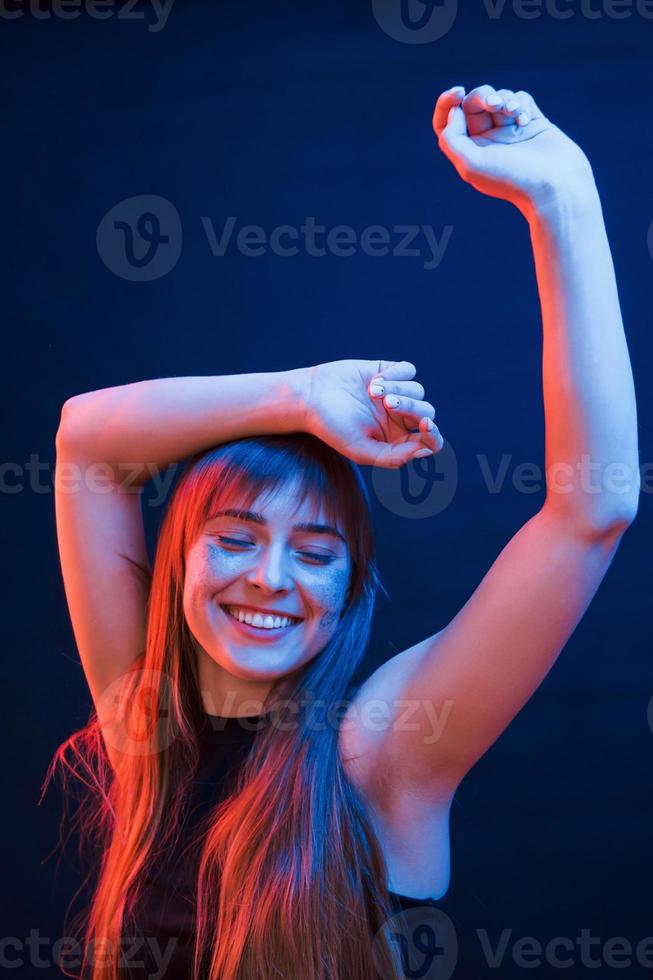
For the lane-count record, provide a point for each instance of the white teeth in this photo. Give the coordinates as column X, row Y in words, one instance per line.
column 268, row 622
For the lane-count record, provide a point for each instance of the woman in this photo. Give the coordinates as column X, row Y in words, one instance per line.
column 232, row 803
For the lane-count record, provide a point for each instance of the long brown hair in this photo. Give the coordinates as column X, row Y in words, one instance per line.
column 292, row 881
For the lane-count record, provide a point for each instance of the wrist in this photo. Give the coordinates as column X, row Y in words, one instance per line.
column 563, row 200
column 294, row 394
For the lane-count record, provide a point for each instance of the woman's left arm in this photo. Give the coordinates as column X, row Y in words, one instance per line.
column 591, row 446
column 466, row 682
column 591, row 454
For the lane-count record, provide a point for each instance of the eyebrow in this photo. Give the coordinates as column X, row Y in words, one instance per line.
column 254, row 518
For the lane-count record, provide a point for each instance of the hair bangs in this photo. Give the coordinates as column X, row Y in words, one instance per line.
column 238, row 474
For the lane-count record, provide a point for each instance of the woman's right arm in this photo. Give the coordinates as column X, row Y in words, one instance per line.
column 137, row 429
column 109, row 443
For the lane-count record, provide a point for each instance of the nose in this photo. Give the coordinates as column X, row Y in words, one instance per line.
column 270, row 573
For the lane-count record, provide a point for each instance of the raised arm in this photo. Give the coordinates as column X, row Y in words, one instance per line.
column 139, row 428
column 591, row 451
column 466, row 682
column 109, row 443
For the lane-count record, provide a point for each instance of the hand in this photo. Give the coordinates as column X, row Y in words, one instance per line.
column 502, row 144
column 342, row 410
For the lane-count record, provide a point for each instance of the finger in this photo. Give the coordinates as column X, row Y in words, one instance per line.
column 505, row 116
column 488, row 107
column 513, row 112
column 391, row 455
column 403, row 405
column 381, row 386
column 529, row 105
column 483, row 98
column 519, row 109
column 455, row 143
column 481, row 106
column 431, row 435
column 395, row 370
column 451, row 97
column 519, row 134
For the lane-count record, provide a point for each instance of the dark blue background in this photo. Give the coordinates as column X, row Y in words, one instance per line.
column 272, row 112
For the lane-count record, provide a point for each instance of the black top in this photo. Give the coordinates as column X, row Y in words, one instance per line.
column 164, row 918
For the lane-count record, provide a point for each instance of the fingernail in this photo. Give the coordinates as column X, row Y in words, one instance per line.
column 422, row 452
column 523, row 118
column 512, row 105
column 494, row 100
column 392, row 401
column 430, row 424
column 377, row 389
column 456, row 90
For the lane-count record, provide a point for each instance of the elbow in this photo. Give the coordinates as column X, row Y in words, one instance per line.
column 610, row 522
column 613, row 524
column 604, row 511
column 619, row 518
column 617, row 525
column 69, row 429
column 626, row 516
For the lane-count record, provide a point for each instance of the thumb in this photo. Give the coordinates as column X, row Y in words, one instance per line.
column 390, row 455
column 397, row 370
column 456, row 120
column 455, row 142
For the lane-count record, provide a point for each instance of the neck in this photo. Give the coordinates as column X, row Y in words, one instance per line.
column 226, row 695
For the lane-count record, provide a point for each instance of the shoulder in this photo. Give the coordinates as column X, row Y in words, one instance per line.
column 371, row 716
column 372, row 753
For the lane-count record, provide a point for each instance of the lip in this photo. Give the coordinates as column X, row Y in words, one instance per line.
column 256, row 632
column 257, row 609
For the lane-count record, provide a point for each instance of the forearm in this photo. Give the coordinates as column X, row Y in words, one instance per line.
column 591, row 454
column 147, row 425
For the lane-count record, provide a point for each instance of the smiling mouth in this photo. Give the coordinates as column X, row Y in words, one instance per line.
column 262, row 624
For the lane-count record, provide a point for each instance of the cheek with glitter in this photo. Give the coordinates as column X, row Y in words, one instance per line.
column 216, row 555
column 329, row 596
column 208, row 569
column 219, row 564
column 328, row 619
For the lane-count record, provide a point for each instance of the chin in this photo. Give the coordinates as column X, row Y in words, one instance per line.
column 253, row 665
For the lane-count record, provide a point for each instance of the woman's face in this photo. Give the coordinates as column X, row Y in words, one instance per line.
column 270, row 564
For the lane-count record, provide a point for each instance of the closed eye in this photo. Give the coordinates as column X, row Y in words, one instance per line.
column 313, row 555
column 324, row 559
